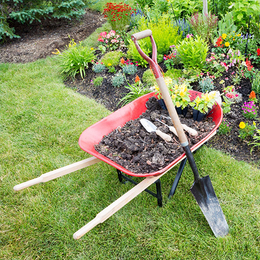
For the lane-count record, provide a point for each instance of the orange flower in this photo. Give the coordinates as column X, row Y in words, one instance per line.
column 252, row 95
column 137, row 79
column 122, row 61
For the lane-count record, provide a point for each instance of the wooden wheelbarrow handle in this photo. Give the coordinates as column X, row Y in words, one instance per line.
column 58, row 173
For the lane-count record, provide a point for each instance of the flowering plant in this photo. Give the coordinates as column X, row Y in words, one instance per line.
column 228, row 40
column 246, row 130
column 172, row 59
column 231, row 94
column 180, row 95
column 252, row 96
column 224, row 128
column 118, row 15
column 111, row 41
column 168, row 82
column 249, row 110
column 205, row 102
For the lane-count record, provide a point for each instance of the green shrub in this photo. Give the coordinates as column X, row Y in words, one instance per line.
column 118, row 80
column 173, row 73
column 193, row 52
column 98, row 81
column 111, row 58
column 76, row 59
column 98, row 67
column 148, row 78
column 27, row 11
column 135, row 91
column 206, row 84
column 256, row 83
column 165, row 34
column 130, row 69
column 134, row 55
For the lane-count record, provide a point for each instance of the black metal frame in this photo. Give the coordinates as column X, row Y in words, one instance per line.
column 158, row 193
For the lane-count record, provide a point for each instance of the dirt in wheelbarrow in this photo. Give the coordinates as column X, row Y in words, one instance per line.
column 139, row 151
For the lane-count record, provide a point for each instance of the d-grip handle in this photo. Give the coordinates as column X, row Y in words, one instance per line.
column 141, row 35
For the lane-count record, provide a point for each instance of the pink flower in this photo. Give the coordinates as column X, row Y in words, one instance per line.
column 230, row 95
column 103, row 34
column 108, row 36
column 100, row 39
column 112, row 33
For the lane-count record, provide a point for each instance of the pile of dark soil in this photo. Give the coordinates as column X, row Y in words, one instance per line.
column 139, row 151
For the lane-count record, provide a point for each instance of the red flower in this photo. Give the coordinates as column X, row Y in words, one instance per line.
column 258, row 51
column 248, row 64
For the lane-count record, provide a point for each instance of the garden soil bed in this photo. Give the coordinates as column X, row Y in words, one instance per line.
column 39, row 40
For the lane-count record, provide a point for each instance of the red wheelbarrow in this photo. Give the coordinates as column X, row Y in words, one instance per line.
column 202, row 188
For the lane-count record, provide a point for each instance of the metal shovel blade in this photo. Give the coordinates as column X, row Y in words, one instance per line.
column 205, row 196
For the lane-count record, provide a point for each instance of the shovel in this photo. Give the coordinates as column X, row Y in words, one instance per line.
column 202, row 188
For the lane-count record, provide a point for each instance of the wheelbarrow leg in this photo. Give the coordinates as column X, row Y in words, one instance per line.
column 158, row 194
column 177, row 178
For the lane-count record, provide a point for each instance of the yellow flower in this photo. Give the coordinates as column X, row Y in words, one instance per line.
column 109, row 64
column 168, row 81
column 157, row 88
column 238, row 35
column 227, row 44
column 207, row 97
column 242, row 125
column 92, row 49
column 224, row 36
column 254, row 123
column 57, row 52
column 178, row 104
column 173, row 96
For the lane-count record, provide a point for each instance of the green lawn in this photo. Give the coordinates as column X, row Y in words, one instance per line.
column 40, row 123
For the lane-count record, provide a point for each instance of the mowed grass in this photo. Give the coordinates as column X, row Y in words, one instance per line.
column 40, row 123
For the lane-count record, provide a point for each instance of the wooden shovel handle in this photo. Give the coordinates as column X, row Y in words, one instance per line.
column 172, row 111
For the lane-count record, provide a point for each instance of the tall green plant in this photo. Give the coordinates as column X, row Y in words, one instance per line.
column 193, row 52
column 164, row 32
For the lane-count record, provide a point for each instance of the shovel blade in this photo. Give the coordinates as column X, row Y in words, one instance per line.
column 205, row 196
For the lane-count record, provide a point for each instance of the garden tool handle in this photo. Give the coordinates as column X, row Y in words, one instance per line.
column 161, row 83
column 190, row 130
column 172, row 129
column 164, row 136
column 143, row 34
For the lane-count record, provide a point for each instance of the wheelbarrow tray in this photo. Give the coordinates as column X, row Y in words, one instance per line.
column 95, row 133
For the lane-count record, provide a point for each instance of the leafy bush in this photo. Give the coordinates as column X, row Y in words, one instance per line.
column 173, row 73
column 193, row 52
column 165, row 34
column 98, row 81
column 242, row 11
column 98, row 67
column 185, row 8
column 135, row 91
column 204, row 26
column 224, row 128
column 118, row 80
column 148, row 78
column 206, row 84
column 256, row 83
column 111, row 58
column 134, row 55
column 27, row 11
column 76, row 59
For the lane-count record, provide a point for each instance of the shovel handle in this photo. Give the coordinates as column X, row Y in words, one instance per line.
column 161, row 83
column 164, row 136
